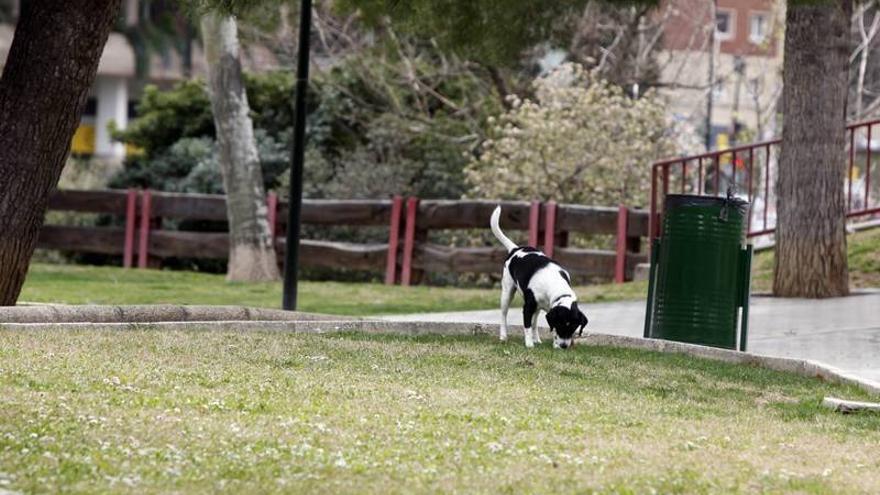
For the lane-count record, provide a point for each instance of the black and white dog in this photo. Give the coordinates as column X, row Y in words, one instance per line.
column 545, row 286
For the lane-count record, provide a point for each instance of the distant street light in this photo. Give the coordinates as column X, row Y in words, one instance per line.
column 709, row 94
column 291, row 254
column 739, row 67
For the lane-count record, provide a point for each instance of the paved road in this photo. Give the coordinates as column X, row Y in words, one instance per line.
column 842, row 332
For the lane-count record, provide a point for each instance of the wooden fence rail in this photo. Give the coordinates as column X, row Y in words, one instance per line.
column 405, row 258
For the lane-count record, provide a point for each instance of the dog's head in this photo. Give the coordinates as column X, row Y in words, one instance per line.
column 564, row 322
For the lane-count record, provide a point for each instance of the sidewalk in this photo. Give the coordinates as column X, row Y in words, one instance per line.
column 841, row 332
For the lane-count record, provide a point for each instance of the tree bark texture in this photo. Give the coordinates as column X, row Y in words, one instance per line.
column 811, row 214
column 251, row 253
column 51, row 65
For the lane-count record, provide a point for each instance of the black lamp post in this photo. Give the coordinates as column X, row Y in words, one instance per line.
column 291, row 255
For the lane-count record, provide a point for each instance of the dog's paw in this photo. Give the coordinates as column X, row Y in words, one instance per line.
column 502, row 338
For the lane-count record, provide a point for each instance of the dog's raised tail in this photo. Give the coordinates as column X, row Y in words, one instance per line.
column 496, row 229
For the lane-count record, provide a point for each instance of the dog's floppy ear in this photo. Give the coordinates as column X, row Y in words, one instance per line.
column 582, row 319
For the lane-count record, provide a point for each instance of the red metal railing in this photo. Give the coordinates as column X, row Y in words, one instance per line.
column 751, row 168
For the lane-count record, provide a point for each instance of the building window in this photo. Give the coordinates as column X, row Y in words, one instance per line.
column 725, row 21
column 758, row 27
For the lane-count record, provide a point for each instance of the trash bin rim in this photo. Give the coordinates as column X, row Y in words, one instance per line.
column 677, row 200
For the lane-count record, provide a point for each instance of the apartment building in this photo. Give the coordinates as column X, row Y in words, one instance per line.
column 742, row 58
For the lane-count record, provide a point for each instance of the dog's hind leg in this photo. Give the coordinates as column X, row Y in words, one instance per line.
column 508, row 289
column 530, row 313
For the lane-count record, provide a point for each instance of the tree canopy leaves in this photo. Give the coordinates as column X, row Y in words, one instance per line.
column 491, row 31
column 494, row 32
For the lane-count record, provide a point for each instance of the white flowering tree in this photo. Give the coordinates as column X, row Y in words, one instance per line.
column 580, row 140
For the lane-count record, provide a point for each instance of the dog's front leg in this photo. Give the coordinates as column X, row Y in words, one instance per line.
column 507, row 292
column 536, row 336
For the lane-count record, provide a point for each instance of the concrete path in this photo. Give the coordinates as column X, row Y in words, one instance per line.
column 841, row 332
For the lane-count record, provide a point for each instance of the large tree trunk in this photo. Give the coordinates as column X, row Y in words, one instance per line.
column 810, row 231
column 51, row 64
column 251, row 254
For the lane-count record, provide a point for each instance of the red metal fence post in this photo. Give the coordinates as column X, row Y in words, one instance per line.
column 549, row 227
column 849, row 170
column 683, row 176
column 620, row 259
column 733, row 171
column 130, row 221
column 534, row 223
column 766, row 184
column 409, row 241
column 700, row 183
column 717, row 158
column 653, row 224
column 143, row 245
column 393, row 240
column 751, row 171
column 868, row 172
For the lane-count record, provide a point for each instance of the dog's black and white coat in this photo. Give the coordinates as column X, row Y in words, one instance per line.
column 545, row 286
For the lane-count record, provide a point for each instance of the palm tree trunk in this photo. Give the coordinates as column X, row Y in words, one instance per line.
column 251, row 254
column 810, row 233
column 51, row 65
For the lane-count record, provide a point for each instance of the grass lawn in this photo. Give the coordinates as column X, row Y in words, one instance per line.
column 863, row 249
column 75, row 284
column 195, row 412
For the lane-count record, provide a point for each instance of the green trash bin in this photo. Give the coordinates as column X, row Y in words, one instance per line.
column 700, row 272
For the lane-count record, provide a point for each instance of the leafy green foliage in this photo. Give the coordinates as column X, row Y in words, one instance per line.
column 175, row 131
column 270, row 96
column 377, row 125
column 495, row 32
column 168, row 169
column 394, row 122
column 190, row 165
column 163, row 117
column 492, row 31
